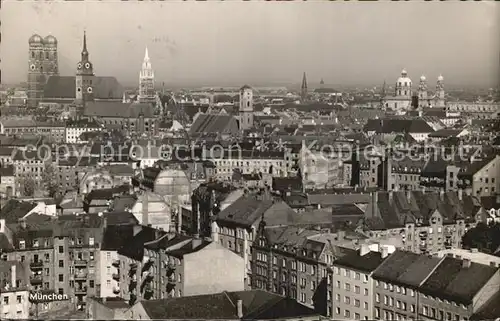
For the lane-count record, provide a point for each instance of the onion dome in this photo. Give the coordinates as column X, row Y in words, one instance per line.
column 50, row 40
column 35, row 39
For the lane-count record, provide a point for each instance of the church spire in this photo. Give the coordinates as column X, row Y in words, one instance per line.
column 146, row 55
column 303, row 91
column 85, row 53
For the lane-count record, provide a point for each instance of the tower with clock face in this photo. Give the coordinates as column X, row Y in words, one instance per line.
column 36, row 77
column 84, row 76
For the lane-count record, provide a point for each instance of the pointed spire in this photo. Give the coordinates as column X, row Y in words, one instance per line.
column 304, row 81
column 146, row 55
column 84, row 42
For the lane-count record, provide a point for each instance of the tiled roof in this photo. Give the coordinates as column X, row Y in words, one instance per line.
column 65, row 87
column 135, row 246
column 118, row 109
column 188, row 248
column 247, row 210
column 338, row 199
column 452, row 281
column 15, row 210
column 397, row 125
column 406, row 268
column 212, row 123
column 490, row 310
column 257, row 305
column 366, row 263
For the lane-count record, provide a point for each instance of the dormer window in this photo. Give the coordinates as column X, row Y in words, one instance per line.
column 36, row 243
column 22, row 244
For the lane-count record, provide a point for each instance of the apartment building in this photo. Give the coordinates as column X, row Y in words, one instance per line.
column 293, row 262
column 423, row 222
column 70, row 170
column 62, row 253
column 247, row 162
column 235, row 226
column 352, row 284
column 30, row 164
column 396, row 284
column 53, row 132
column 155, row 264
column 481, row 177
column 7, row 182
column 14, row 290
column 75, row 129
column 412, row 286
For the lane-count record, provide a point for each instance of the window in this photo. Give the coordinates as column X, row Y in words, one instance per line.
column 357, row 276
column 6, row 300
column 22, row 244
column 61, row 277
column 337, row 297
column 61, row 249
column 19, row 299
column 386, row 300
column 377, row 297
column 356, row 289
column 338, row 284
column 61, row 263
column 347, row 314
column 357, row 303
column 366, row 292
column 365, row 305
column 303, row 297
column 91, row 282
column 365, row 278
column 357, row 316
column 425, row 310
column 412, row 308
column 347, row 287
column 61, row 291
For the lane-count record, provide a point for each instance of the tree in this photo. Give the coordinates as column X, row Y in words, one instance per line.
column 28, row 186
column 485, row 238
column 49, row 179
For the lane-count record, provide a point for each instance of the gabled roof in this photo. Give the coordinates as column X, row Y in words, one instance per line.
column 452, row 281
column 257, row 305
column 118, row 109
column 212, row 123
column 366, row 263
column 406, row 268
column 65, row 87
column 14, row 210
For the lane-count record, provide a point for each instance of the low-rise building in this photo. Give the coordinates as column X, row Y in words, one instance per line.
column 75, row 129
column 14, row 290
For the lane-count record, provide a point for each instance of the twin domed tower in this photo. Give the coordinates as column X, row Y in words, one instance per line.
column 42, row 63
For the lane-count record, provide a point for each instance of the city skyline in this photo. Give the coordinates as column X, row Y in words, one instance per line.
column 222, row 43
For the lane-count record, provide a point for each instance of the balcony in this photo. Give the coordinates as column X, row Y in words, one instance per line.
column 116, row 263
column 81, row 290
column 148, row 278
column 147, row 265
column 80, row 276
column 36, row 265
column 116, row 290
column 80, row 263
column 116, row 276
column 170, row 269
column 36, row 279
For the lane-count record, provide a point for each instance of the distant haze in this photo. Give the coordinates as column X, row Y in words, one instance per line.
column 259, row 43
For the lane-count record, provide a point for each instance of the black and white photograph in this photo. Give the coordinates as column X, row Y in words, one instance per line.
column 250, row 160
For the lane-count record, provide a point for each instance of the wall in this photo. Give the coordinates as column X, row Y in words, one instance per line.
column 224, row 271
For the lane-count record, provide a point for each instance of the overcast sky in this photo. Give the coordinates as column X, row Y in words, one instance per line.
column 212, row 43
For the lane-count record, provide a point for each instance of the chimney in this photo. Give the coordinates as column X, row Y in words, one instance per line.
column 391, row 196
column 493, row 264
column 239, row 308
column 365, row 249
column 105, row 223
column 408, row 196
column 104, row 300
column 145, row 208
column 340, row 235
column 466, row 263
column 13, row 276
column 384, row 251
column 137, row 229
column 460, row 194
column 215, row 234
column 441, row 195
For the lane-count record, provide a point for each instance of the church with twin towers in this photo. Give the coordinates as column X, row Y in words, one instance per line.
column 46, row 85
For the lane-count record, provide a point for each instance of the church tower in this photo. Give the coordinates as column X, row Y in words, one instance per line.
column 423, row 99
column 246, row 107
column 50, row 65
column 146, row 81
column 84, row 76
column 440, row 101
column 403, row 86
column 303, row 88
column 36, row 77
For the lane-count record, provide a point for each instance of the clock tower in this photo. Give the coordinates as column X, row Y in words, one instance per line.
column 84, row 76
